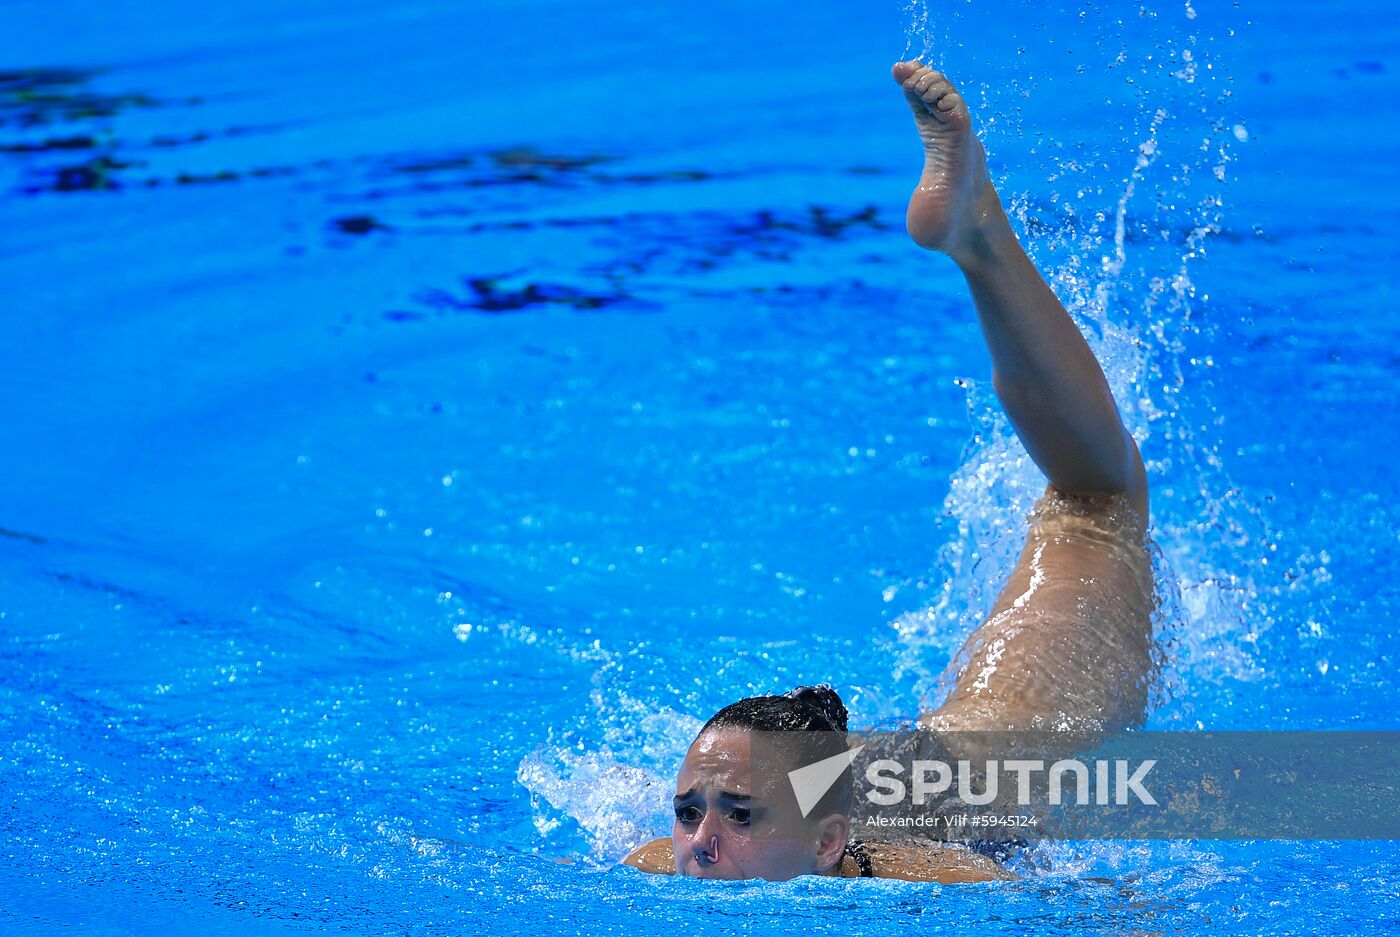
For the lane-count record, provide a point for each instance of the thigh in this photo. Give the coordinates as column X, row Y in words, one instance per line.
column 1068, row 643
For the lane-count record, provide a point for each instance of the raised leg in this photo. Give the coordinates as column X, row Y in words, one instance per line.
column 1045, row 375
column 1068, row 642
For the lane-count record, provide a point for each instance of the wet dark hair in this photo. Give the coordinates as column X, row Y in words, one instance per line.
column 813, row 720
column 807, row 708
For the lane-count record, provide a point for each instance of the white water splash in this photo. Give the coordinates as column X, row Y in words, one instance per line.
column 618, row 804
column 917, row 34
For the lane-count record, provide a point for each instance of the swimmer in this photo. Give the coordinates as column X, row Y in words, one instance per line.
column 1067, row 643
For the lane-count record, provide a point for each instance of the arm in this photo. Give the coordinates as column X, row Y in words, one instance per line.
column 655, row 857
column 947, row 865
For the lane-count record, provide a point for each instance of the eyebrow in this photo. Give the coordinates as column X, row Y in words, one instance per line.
column 723, row 795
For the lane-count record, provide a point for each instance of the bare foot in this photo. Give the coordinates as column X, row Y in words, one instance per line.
column 953, row 194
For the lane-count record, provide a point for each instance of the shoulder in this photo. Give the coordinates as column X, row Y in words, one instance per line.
column 947, row 865
column 655, row 857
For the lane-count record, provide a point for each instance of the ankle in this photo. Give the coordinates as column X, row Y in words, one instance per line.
column 986, row 233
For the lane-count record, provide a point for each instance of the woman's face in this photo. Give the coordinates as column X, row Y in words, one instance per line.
column 736, row 819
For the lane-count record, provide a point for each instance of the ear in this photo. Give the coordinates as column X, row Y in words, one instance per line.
column 834, row 833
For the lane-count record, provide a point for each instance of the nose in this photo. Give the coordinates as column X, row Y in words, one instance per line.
column 707, row 852
column 705, row 843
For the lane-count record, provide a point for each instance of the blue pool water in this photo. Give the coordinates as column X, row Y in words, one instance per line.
column 416, row 417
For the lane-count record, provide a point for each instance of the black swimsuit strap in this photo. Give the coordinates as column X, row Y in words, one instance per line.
column 857, row 851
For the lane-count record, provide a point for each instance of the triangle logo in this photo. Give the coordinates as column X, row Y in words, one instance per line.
column 810, row 783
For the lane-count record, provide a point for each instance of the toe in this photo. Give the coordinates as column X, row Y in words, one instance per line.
column 929, row 77
column 934, row 90
column 951, row 108
column 903, row 70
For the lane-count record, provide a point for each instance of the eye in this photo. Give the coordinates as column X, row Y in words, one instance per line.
column 740, row 815
column 689, row 815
